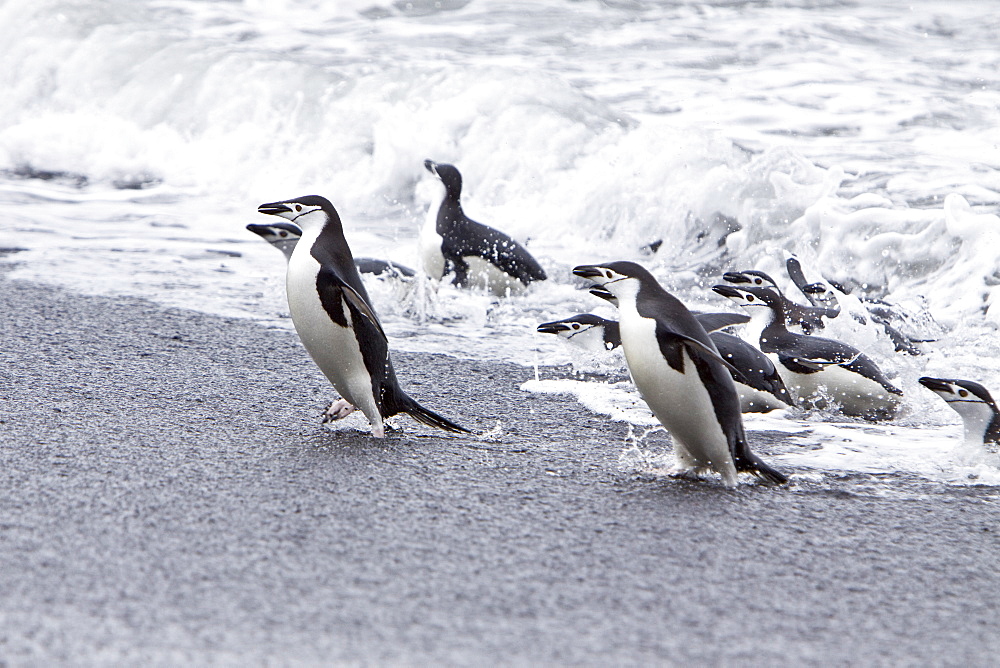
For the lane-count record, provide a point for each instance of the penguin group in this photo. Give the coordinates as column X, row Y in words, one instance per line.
column 697, row 376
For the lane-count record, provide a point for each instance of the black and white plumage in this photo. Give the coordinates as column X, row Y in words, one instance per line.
column 680, row 374
column 333, row 316
column 823, row 294
column 386, row 268
column 808, row 318
column 477, row 255
column 819, row 294
column 587, row 331
column 758, row 383
column 814, row 367
column 980, row 416
column 284, row 236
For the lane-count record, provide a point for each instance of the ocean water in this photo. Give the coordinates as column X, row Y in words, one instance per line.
column 138, row 137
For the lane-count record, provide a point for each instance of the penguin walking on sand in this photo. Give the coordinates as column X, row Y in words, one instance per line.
column 334, row 318
column 478, row 255
column 758, row 383
column 284, row 236
column 980, row 416
column 813, row 367
column 680, row 374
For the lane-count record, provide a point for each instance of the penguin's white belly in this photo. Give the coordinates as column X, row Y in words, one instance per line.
column 429, row 245
column 680, row 401
column 855, row 394
column 483, row 274
column 753, row 400
column 334, row 348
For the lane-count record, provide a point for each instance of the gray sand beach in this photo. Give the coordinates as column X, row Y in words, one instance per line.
column 169, row 496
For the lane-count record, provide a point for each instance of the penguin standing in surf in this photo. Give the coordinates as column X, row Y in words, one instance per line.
column 334, row 318
column 478, row 255
column 680, row 374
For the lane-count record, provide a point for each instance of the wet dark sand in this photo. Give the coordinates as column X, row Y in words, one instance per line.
column 169, row 496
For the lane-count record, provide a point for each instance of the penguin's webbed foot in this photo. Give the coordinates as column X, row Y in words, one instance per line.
column 683, row 473
column 337, row 410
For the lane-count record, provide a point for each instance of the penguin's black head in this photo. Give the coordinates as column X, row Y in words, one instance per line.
column 449, row 175
column 958, row 391
column 749, row 297
column 277, row 232
column 620, row 279
column 572, row 325
column 751, row 277
column 298, row 210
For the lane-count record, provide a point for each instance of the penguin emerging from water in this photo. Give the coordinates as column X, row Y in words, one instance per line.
column 680, row 374
column 980, row 416
column 478, row 255
column 758, row 383
column 809, row 318
column 334, row 318
column 813, row 367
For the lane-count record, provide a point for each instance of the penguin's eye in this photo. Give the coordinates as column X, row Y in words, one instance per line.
column 282, row 233
column 576, row 326
column 298, row 207
column 608, row 274
column 749, row 298
column 963, row 393
column 757, row 281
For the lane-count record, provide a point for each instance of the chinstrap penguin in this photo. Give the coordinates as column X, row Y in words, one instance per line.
column 823, row 294
column 586, row 330
column 477, row 255
column 980, row 416
column 808, row 318
column 281, row 235
column 284, row 236
column 814, row 367
column 680, row 374
column 758, row 383
column 333, row 316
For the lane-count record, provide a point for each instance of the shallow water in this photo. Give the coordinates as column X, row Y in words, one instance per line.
column 137, row 138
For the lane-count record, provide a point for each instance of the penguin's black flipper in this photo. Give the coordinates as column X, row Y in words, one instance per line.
column 713, row 322
column 429, row 417
column 794, row 268
column 358, row 302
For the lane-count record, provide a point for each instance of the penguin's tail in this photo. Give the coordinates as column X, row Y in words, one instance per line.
column 430, row 418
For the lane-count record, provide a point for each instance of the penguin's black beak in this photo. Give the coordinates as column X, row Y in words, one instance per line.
column 935, row 384
column 273, row 209
column 603, row 293
column 431, row 167
column 553, row 327
column 588, row 271
column 727, row 291
column 734, row 277
column 262, row 230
